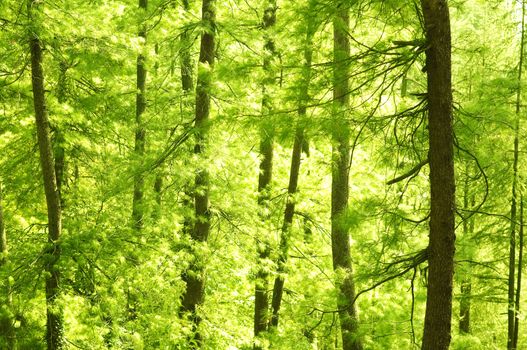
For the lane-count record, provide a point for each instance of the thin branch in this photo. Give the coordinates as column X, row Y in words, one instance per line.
column 411, row 172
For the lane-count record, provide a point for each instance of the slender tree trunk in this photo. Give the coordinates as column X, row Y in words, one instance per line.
column 261, row 297
column 8, row 331
column 195, row 292
column 140, row 132
column 158, row 181
column 518, row 281
column 511, row 308
column 3, row 236
column 58, row 145
column 187, row 86
column 466, row 283
column 158, row 190
column 158, row 193
column 464, row 306
column 289, row 212
column 278, row 288
column 340, row 182
column 308, row 231
column 54, row 325
column 442, row 182
column 185, row 58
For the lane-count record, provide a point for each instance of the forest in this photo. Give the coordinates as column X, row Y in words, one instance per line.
column 262, row 174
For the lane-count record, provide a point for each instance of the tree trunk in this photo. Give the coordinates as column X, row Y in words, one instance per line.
column 466, row 283
column 518, row 281
column 195, row 293
column 464, row 306
column 289, row 212
column 340, row 245
column 140, row 132
column 511, row 304
column 278, row 288
column 441, row 246
column 8, row 331
column 3, row 236
column 187, row 86
column 261, row 297
column 54, row 325
column 158, row 190
column 158, row 181
column 184, row 54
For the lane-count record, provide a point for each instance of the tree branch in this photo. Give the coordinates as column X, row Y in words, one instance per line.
column 412, row 171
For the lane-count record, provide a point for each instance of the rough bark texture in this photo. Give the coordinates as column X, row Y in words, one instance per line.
column 54, row 325
column 339, row 185
column 195, row 293
column 140, row 132
column 261, row 297
column 442, row 183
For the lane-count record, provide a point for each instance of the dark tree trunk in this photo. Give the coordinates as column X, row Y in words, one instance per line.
column 340, row 245
column 466, row 283
column 511, row 304
column 185, row 58
column 140, row 132
column 441, row 246
column 187, row 86
column 289, row 212
column 158, row 191
column 54, row 325
column 518, row 281
column 261, row 297
column 195, row 293
column 464, row 306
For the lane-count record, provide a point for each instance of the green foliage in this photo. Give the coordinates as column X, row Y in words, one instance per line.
column 123, row 288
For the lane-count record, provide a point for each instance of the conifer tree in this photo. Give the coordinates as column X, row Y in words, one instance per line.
column 441, row 247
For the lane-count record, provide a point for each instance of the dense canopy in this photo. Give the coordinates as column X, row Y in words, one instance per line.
column 262, row 174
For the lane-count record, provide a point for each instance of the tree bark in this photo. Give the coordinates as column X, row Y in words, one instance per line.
column 195, row 293
column 340, row 244
column 54, row 325
column 140, row 132
column 442, row 182
column 261, row 297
